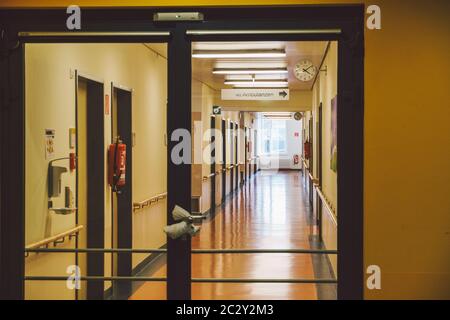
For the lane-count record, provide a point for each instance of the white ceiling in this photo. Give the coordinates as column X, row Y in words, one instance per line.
column 295, row 51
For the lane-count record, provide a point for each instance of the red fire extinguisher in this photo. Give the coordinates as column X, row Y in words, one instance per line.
column 307, row 149
column 296, row 159
column 117, row 159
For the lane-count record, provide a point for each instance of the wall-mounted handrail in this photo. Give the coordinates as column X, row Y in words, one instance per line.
column 315, row 181
column 327, row 205
column 148, row 202
column 56, row 239
column 209, row 176
column 305, row 164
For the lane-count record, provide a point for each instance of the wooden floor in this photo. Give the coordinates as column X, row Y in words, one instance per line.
column 271, row 211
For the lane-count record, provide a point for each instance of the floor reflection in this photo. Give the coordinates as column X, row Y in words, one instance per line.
column 270, row 211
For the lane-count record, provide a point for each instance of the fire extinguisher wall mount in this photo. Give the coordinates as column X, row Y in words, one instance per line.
column 117, row 165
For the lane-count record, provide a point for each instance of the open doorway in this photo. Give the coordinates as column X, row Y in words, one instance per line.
column 268, row 93
column 90, row 201
column 96, row 167
column 122, row 199
column 297, row 21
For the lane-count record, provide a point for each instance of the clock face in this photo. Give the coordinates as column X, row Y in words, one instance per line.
column 305, row 70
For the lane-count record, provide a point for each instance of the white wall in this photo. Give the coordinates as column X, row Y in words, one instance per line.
column 294, row 146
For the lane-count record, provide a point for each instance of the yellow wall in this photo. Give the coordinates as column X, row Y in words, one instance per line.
column 325, row 89
column 406, row 175
column 50, row 103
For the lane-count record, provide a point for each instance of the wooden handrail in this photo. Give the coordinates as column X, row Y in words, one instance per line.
column 315, row 181
column 148, row 202
column 208, row 176
column 56, row 238
column 327, row 205
column 305, row 164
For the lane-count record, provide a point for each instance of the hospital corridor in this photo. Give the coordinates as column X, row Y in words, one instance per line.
column 192, row 154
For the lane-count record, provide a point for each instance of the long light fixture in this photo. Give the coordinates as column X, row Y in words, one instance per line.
column 278, row 115
column 259, row 86
column 247, row 83
column 250, row 70
column 239, row 54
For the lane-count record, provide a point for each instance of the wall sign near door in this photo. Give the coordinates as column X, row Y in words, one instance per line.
column 49, row 143
column 255, row 94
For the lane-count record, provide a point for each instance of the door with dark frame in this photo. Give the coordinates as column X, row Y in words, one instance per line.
column 236, row 156
column 122, row 205
column 348, row 25
column 224, row 161
column 90, row 196
column 311, row 161
column 213, row 165
column 231, row 133
column 255, row 153
column 319, row 171
column 245, row 153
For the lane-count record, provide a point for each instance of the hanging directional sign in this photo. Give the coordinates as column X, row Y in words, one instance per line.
column 255, row 94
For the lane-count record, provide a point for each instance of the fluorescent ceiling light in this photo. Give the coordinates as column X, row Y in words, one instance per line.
column 249, row 70
column 256, row 86
column 239, row 54
column 256, row 83
column 278, row 115
column 256, row 77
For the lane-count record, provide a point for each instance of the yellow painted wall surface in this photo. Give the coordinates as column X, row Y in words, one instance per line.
column 50, row 104
column 325, row 89
column 407, row 144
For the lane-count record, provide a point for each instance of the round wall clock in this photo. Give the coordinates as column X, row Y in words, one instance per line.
column 298, row 116
column 305, row 70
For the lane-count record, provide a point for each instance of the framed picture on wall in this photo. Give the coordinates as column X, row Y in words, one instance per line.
column 333, row 149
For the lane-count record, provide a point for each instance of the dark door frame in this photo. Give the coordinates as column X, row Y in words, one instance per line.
column 311, row 160
column 231, row 128
column 320, row 173
column 348, row 18
column 213, row 165
column 224, row 161
column 95, row 181
column 246, row 175
column 123, row 110
column 255, row 149
column 236, row 156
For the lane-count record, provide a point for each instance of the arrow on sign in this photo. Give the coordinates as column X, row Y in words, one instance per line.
column 283, row 94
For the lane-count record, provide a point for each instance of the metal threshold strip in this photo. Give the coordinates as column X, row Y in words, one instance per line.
column 259, row 31
column 193, row 251
column 194, row 280
column 94, row 34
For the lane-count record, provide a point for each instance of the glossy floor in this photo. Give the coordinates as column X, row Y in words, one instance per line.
column 270, row 211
